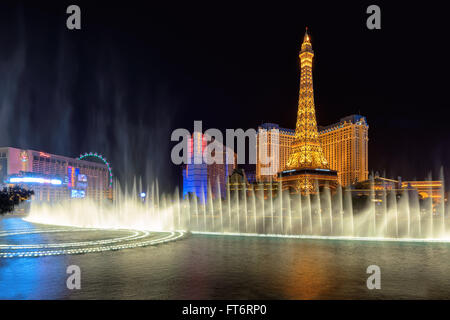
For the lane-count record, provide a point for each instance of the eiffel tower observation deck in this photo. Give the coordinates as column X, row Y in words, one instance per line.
column 307, row 168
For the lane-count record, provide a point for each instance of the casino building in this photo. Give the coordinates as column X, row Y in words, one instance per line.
column 53, row 177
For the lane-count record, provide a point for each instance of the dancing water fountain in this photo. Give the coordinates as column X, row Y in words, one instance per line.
column 328, row 215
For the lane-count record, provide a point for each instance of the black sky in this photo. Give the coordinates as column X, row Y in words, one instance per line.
column 138, row 70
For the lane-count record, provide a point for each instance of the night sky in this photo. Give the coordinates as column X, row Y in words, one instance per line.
column 135, row 72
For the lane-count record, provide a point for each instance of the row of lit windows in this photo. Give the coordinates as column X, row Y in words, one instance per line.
column 64, row 163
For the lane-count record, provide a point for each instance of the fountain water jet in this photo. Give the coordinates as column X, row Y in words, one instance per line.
column 395, row 216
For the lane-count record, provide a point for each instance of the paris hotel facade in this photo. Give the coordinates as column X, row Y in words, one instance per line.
column 344, row 145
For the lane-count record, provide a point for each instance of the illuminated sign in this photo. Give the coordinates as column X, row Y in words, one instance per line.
column 82, row 181
column 69, row 174
column 72, row 173
column 23, row 156
column 77, row 193
column 82, row 185
column 55, row 182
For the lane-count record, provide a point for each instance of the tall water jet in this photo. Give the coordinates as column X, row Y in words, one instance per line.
column 229, row 205
column 211, row 206
column 415, row 212
column 280, row 207
column 271, row 205
column 319, row 214
column 196, row 212
column 253, row 195
column 288, row 208
column 245, row 205
column 178, row 204
column 349, row 209
column 384, row 213
column 153, row 208
column 219, row 192
column 430, row 207
column 204, row 210
column 372, row 206
column 340, row 208
column 300, row 212
column 394, row 212
column 328, row 208
column 318, row 208
column 189, row 213
column 236, row 201
column 261, row 205
column 442, row 201
column 406, row 209
column 157, row 200
column 309, row 213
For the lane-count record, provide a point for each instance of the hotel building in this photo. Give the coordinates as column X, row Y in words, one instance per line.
column 283, row 140
column 197, row 174
column 345, row 147
column 427, row 189
column 53, row 177
column 344, row 144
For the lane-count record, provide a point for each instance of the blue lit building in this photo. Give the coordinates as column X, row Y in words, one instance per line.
column 195, row 180
column 197, row 174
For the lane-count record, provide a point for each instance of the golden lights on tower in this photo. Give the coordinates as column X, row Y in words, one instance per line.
column 306, row 149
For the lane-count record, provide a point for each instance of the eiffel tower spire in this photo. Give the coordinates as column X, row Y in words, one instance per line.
column 306, row 150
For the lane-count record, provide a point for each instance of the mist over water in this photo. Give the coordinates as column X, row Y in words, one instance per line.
column 321, row 215
column 61, row 94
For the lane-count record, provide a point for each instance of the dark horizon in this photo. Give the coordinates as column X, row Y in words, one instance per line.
column 132, row 75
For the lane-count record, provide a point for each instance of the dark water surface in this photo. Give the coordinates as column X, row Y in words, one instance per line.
column 225, row 267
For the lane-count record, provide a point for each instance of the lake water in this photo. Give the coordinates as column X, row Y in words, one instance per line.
column 225, row 267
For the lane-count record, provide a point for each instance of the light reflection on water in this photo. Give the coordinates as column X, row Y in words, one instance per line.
column 221, row 267
column 24, row 278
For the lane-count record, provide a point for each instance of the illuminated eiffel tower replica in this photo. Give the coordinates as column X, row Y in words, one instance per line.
column 307, row 168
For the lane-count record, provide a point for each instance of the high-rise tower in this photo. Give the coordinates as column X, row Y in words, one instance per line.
column 307, row 163
column 306, row 150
